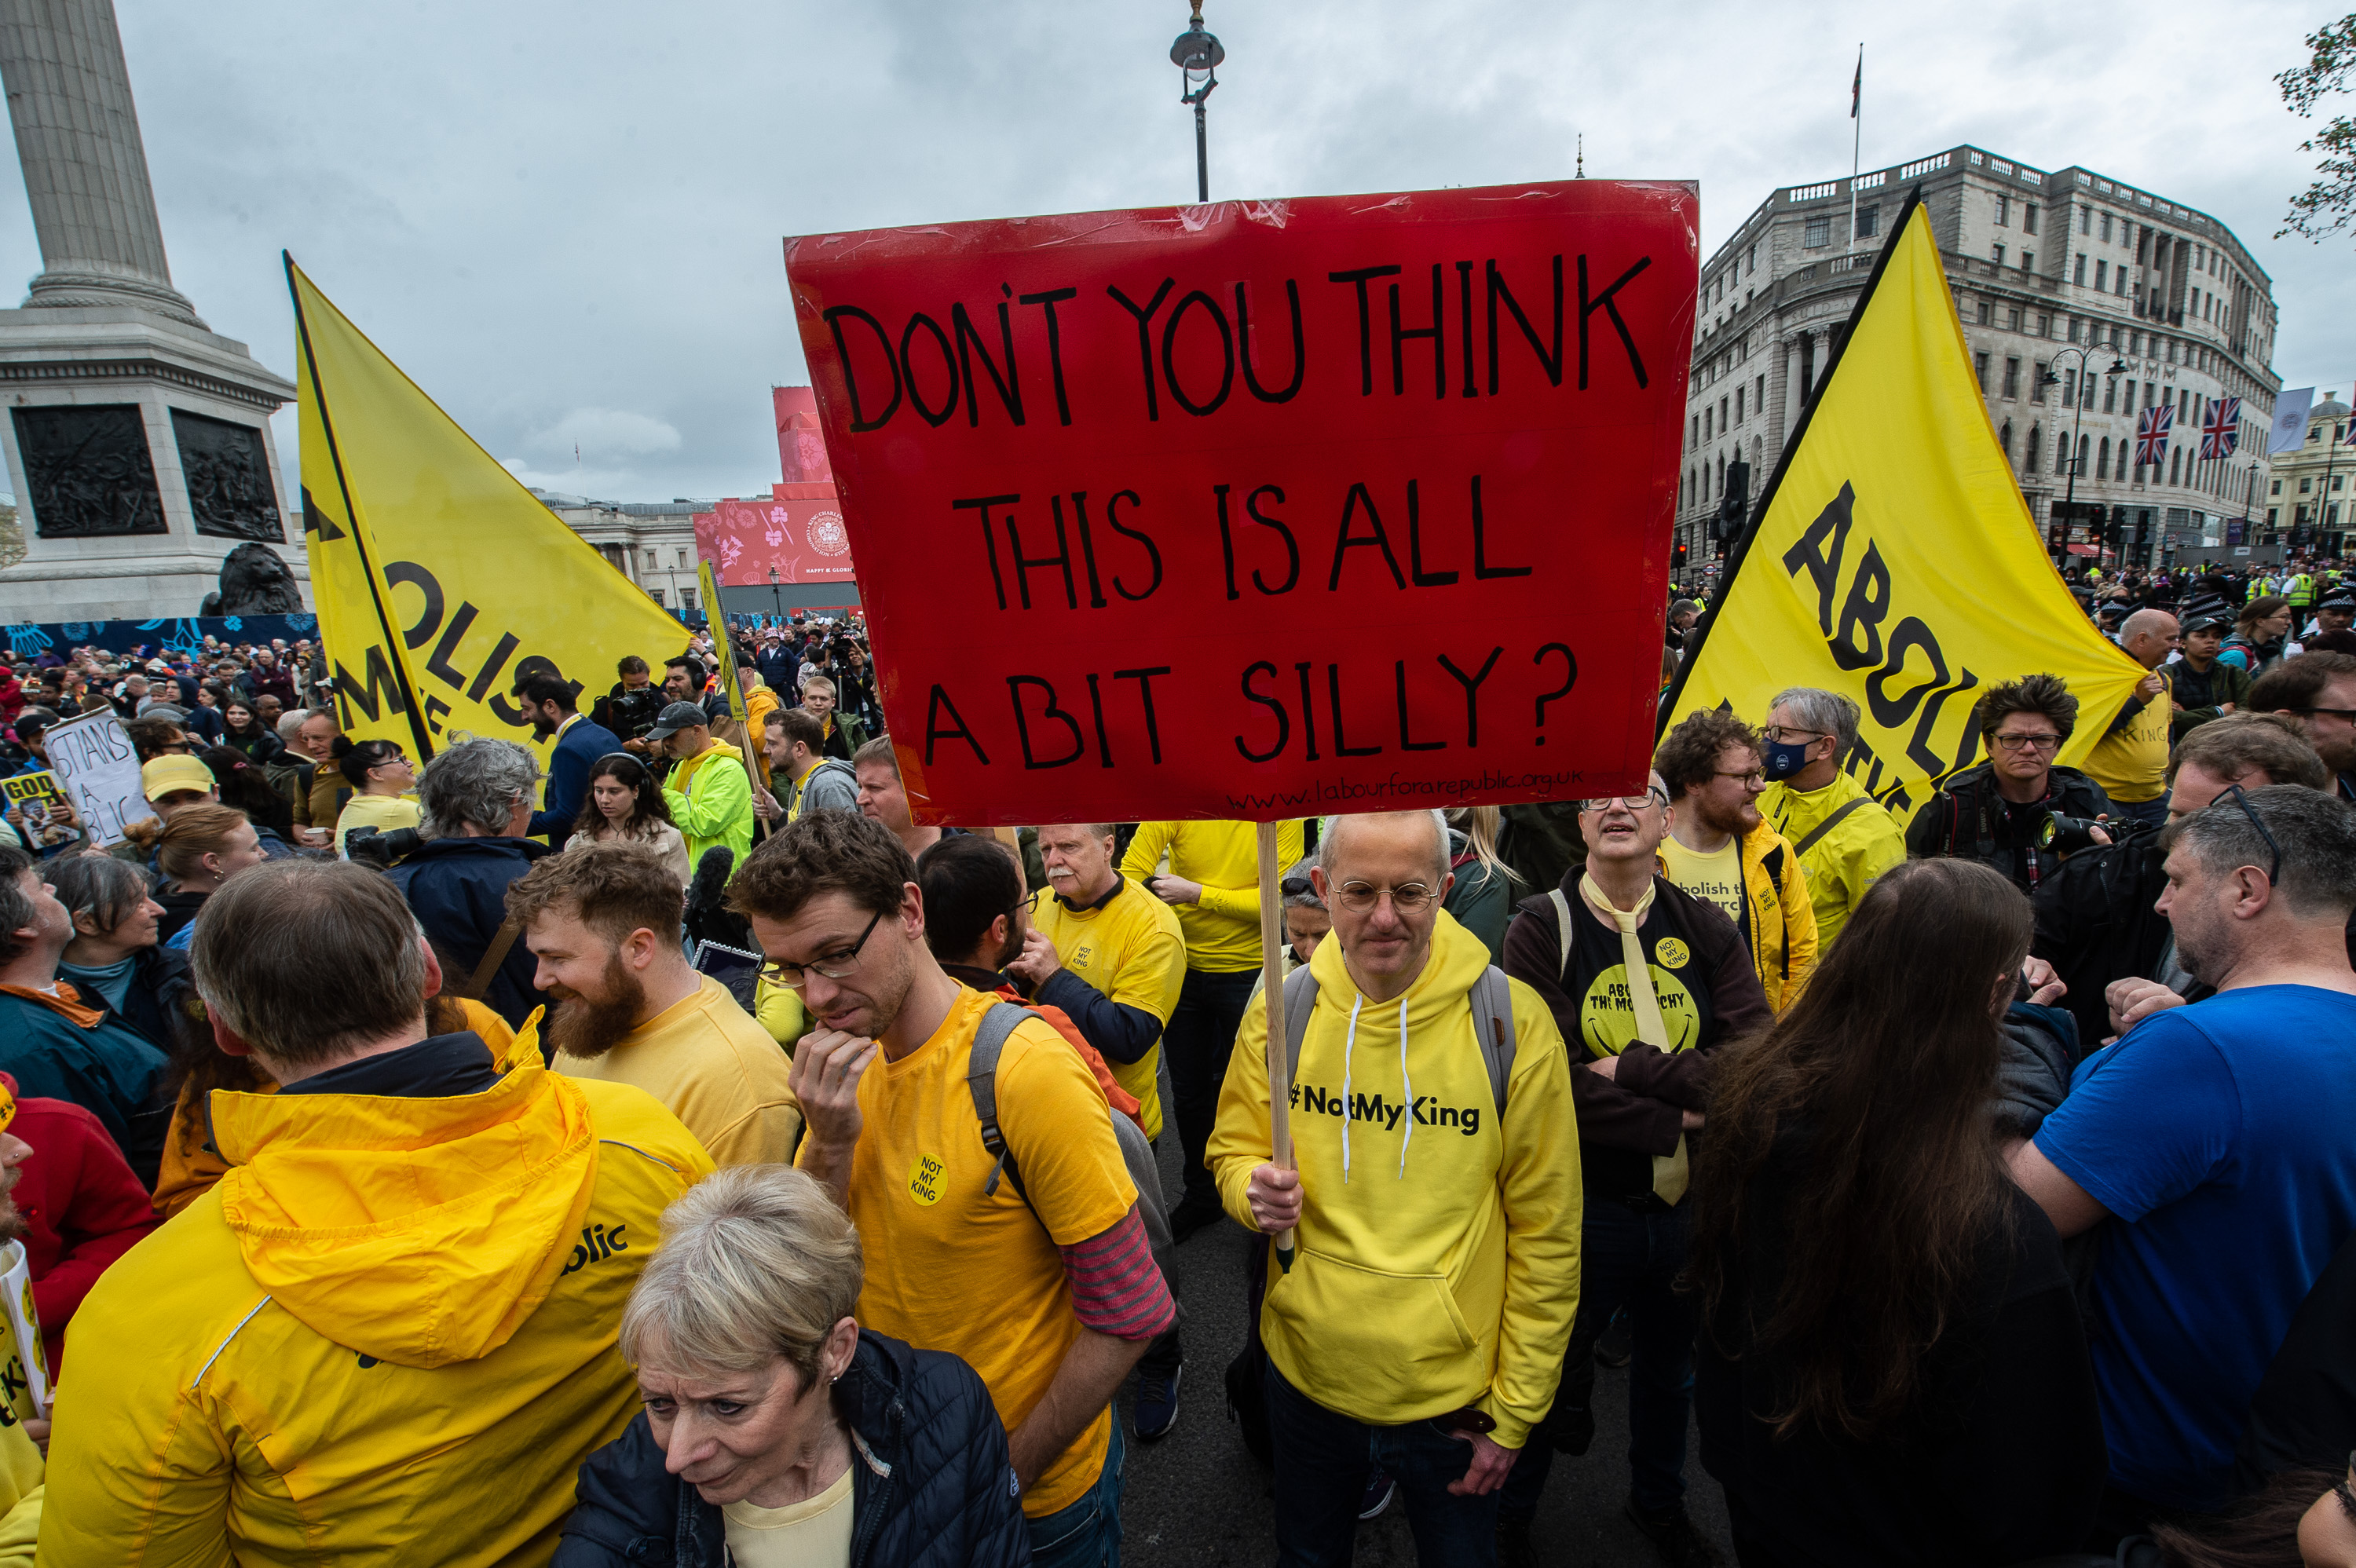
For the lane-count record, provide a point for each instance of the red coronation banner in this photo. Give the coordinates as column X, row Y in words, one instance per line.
column 797, row 533
column 1262, row 509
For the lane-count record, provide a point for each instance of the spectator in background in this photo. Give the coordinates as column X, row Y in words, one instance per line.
column 2130, row 761
column 238, row 784
column 476, row 802
column 367, row 1412
column 604, row 924
column 381, row 778
column 2215, row 1136
column 63, row 1045
column 1845, row 838
column 1892, row 1368
column 1721, row 849
column 2257, row 645
column 625, row 805
column 306, row 775
column 547, row 701
column 201, row 846
column 1213, row 884
column 171, row 782
column 247, row 733
column 2202, row 687
column 2318, row 691
column 885, row 797
column 751, row 1297
column 157, row 736
column 75, row 1205
column 1481, row 899
column 1074, row 1295
column 842, row 734
column 807, row 778
column 116, row 952
column 708, row 792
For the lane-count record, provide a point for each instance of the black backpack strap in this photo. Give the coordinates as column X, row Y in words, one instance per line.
column 981, row 1082
column 1815, row 834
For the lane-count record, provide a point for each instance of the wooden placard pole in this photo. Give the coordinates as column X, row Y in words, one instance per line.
column 1279, row 1060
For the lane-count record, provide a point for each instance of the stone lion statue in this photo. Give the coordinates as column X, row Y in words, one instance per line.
column 254, row 581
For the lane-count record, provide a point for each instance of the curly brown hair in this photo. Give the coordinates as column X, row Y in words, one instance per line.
column 2044, row 694
column 823, row 852
column 1686, row 758
column 613, row 888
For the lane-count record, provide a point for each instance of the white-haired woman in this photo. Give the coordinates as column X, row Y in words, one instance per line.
column 776, row 1430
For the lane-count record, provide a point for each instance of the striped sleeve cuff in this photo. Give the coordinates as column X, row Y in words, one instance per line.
column 1117, row 1287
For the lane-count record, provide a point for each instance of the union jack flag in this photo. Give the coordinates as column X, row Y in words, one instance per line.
column 2151, row 434
column 2221, row 431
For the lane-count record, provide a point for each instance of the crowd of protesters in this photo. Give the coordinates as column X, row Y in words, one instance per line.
column 656, row 1146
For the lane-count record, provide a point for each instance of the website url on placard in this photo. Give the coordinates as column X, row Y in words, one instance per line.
column 1341, row 793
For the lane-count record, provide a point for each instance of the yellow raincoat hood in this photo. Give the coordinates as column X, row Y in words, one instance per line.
column 382, row 1226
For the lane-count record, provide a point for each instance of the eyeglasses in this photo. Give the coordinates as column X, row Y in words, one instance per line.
column 2345, row 715
column 2028, row 743
column 1785, row 735
column 1754, row 778
column 834, row 966
column 2274, row 872
column 1360, row 898
column 1628, row 801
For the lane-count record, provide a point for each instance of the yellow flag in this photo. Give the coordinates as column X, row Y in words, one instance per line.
column 439, row 579
column 1894, row 560
column 724, row 649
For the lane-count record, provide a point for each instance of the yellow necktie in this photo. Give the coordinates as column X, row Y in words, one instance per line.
column 1670, row 1172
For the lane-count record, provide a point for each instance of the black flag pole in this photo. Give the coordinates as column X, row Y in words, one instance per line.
column 1741, row 551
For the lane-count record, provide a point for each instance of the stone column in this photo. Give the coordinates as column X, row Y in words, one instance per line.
column 85, row 167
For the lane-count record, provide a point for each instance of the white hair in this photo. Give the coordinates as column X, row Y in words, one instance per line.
column 1438, row 818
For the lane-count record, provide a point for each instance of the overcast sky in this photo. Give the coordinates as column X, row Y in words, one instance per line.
column 564, row 221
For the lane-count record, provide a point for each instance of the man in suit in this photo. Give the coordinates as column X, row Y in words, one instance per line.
column 546, row 699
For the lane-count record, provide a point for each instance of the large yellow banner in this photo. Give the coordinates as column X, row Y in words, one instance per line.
column 440, row 581
column 1894, row 560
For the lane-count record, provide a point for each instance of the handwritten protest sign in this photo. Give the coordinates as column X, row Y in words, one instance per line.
column 98, row 769
column 1262, row 509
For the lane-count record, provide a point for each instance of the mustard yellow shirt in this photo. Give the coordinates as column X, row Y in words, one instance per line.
column 1132, row 950
column 716, row 1070
column 2131, row 765
column 1222, row 931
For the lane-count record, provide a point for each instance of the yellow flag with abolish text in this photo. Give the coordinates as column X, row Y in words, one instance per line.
column 1893, row 559
column 440, row 581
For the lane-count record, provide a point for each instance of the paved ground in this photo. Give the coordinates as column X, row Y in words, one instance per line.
column 1198, row 1497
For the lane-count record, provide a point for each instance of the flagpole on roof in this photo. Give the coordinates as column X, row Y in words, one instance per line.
column 1857, row 141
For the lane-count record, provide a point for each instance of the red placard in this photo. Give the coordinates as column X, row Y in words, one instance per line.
column 1262, row 509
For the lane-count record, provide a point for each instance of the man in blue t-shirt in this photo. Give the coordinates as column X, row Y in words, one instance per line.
column 2216, row 1136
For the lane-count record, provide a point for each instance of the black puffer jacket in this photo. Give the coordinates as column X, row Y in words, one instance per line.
column 931, row 1484
column 1970, row 820
column 2096, row 923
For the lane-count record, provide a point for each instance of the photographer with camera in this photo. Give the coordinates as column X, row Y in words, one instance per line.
column 381, row 778
column 629, row 710
column 478, row 799
column 2017, row 811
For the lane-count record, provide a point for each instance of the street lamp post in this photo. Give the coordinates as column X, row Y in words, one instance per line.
column 1198, row 55
column 2077, row 425
column 777, row 601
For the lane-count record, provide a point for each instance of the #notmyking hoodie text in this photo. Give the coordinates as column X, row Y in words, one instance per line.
column 1438, row 1249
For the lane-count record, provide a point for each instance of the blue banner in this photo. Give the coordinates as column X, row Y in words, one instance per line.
column 35, row 638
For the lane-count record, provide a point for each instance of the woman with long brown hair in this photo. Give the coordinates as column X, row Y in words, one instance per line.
column 1893, row 1368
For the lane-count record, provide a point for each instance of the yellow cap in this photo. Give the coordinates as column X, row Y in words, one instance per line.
column 160, row 776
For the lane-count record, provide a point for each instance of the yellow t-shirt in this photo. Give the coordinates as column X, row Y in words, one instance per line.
column 1222, row 928
column 1130, row 948
column 717, row 1071
column 2131, row 765
column 1715, row 878
column 384, row 812
column 815, row 1533
column 950, row 1267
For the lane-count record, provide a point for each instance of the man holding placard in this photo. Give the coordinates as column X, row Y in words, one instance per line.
column 1421, row 1323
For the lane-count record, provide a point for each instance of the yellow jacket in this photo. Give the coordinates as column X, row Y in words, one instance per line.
column 385, row 1337
column 1438, row 1249
column 1782, row 920
column 1223, row 929
column 1852, row 856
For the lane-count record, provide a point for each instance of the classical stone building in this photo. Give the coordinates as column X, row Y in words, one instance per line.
column 651, row 543
column 2084, row 302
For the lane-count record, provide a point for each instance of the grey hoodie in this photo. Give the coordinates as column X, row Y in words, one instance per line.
column 830, row 786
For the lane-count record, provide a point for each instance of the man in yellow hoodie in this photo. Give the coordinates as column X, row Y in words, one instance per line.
column 1434, row 1207
column 386, row 1336
column 1214, row 884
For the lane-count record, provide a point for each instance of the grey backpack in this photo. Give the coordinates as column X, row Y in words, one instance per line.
column 1136, row 1151
column 1493, row 1021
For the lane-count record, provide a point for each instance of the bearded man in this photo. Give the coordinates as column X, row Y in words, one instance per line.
column 603, row 921
column 1722, row 851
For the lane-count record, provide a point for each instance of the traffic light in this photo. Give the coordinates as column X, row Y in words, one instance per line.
column 1677, row 556
column 1735, row 503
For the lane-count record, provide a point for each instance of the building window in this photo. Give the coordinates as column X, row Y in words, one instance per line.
column 1707, row 430
column 1738, row 404
column 2044, row 325
column 2013, row 318
column 2102, row 461
column 2028, row 457
column 655, row 593
column 2004, row 440
column 2036, row 387
column 2003, row 210
column 1693, row 435
column 2278, row 488
column 2102, row 280
column 2119, row 282
column 2111, row 397
column 2078, row 274
column 2272, row 512
column 682, row 565
column 1996, row 254
column 1754, row 263
column 2028, row 261
column 2306, row 486
column 1987, row 312
column 1979, row 364
column 2085, row 220
column 650, row 560
column 1816, row 233
column 687, row 599
column 1759, row 393
column 2070, row 385
column 1869, row 221
column 2028, row 220
column 2011, row 380
column 2107, row 229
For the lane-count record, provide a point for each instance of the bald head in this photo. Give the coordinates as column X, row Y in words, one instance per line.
column 1391, row 831
column 2147, row 635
